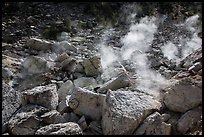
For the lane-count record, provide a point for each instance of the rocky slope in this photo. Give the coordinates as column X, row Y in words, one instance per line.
column 101, row 68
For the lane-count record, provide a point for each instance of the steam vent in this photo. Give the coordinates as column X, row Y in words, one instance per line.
column 101, row 68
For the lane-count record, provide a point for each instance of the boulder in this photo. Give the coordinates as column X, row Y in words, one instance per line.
column 63, row 106
column 53, row 117
column 190, row 120
column 92, row 66
column 11, row 101
column 85, row 82
column 69, row 128
column 26, row 120
column 121, row 81
column 42, row 95
column 6, row 73
column 154, row 125
column 87, row 103
column 65, row 89
column 39, row 44
column 183, row 95
column 63, row 46
column 34, row 65
column 124, row 111
column 82, row 123
column 95, row 127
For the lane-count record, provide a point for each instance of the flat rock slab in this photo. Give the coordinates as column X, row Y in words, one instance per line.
column 42, row 95
column 124, row 111
column 69, row 128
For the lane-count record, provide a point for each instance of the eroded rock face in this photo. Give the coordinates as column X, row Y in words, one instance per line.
column 26, row 120
column 154, row 125
column 190, row 120
column 123, row 111
column 87, row 103
column 11, row 101
column 183, row 95
column 69, row 128
column 42, row 95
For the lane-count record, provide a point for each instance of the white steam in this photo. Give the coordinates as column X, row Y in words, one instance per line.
column 136, row 43
column 186, row 45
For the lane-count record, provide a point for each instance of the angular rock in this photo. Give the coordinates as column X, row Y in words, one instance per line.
column 63, row 46
column 190, row 120
column 124, row 111
column 85, row 82
column 63, row 106
column 62, row 57
column 39, row 44
column 95, row 127
column 11, row 101
column 183, row 95
column 87, row 103
column 192, row 58
column 65, row 89
column 121, row 81
column 42, row 95
column 195, row 68
column 69, row 128
column 154, row 125
column 82, row 123
column 26, row 120
column 34, row 65
column 53, row 117
column 92, row 66
column 6, row 73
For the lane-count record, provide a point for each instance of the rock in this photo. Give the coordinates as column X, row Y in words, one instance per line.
column 39, row 44
column 6, row 73
column 95, row 127
column 154, row 125
column 62, row 57
column 63, row 106
column 78, row 39
column 69, row 128
column 63, row 46
column 92, row 66
column 42, row 95
column 124, row 111
column 165, row 117
column 183, row 95
column 53, row 117
column 65, row 89
column 85, row 82
column 195, row 68
column 121, row 81
column 11, row 101
column 33, row 81
column 64, row 36
column 192, row 58
column 26, row 120
column 34, row 65
column 87, row 103
column 68, row 65
column 190, row 120
column 82, row 123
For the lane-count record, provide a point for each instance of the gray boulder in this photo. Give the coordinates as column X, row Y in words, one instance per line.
column 34, row 65
column 154, row 125
column 26, row 120
column 53, row 117
column 69, row 128
column 42, row 95
column 63, row 46
column 190, row 120
column 6, row 73
column 183, row 95
column 39, row 44
column 85, row 82
column 124, row 111
column 87, row 103
column 11, row 101
column 92, row 66
column 65, row 89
